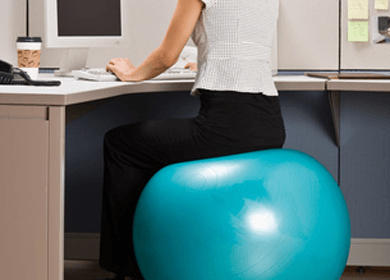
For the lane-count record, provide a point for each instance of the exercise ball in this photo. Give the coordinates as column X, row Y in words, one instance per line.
column 273, row 214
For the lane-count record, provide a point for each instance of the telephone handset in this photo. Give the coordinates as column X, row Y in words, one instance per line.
column 15, row 76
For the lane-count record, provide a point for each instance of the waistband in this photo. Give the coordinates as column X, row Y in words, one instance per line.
column 239, row 103
column 231, row 94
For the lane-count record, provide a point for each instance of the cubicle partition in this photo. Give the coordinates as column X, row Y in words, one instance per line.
column 363, row 45
column 313, row 35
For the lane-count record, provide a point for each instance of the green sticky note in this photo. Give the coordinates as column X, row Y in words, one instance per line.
column 382, row 4
column 357, row 9
column 358, row 31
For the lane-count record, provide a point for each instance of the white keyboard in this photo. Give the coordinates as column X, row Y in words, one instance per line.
column 101, row 75
column 95, row 74
column 176, row 74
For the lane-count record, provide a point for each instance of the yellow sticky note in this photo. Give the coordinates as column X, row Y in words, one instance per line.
column 357, row 9
column 358, row 31
column 382, row 4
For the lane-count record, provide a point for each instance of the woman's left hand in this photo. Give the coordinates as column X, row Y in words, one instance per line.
column 193, row 66
column 121, row 67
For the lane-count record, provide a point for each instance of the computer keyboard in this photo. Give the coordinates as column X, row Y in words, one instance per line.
column 94, row 74
column 176, row 74
column 101, row 75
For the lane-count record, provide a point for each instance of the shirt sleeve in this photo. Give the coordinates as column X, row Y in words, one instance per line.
column 208, row 3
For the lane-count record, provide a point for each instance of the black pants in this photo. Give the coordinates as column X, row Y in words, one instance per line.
column 227, row 123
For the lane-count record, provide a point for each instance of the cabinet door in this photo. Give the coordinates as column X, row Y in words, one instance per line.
column 23, row 192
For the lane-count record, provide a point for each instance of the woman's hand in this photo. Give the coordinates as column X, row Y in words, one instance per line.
column 121, row 67
column 193, row 66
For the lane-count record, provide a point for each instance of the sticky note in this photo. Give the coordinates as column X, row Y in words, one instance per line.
column 357, row 9
column 357, row 31
column 382, row 4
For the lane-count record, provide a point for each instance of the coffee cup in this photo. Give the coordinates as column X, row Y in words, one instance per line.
column 29, row 55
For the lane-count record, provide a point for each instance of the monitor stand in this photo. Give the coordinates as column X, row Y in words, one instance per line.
column 72, row 59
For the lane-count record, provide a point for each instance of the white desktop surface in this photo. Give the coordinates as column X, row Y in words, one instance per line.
column 374, row 85
column 74, row 91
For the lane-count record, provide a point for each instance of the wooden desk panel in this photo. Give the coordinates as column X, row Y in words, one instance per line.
column 23, row 194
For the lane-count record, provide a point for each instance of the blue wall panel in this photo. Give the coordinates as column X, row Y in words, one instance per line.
column 84, row 148
column 365, row 161
column 307, row 118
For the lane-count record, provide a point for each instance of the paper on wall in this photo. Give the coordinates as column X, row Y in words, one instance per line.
column 357, row 9
column 357, row 31
column 382, row 4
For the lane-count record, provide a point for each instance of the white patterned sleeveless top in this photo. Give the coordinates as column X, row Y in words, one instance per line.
column 234, row 40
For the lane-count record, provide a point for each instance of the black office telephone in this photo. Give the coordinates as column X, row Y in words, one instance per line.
column 15, row 76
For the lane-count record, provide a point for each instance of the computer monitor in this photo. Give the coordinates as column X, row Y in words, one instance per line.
column 78, row 25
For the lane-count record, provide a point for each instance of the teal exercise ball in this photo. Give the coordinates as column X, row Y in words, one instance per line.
column 273, row 214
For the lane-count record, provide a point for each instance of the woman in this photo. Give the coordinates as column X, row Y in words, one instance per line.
column 239, row 110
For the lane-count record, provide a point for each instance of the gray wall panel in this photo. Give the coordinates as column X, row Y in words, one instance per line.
column 308, row 35
column 84, row 148
column 363, row 55
column 308, row 125
column 365, row 162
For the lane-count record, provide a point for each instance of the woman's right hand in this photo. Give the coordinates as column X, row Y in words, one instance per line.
column 121, row 67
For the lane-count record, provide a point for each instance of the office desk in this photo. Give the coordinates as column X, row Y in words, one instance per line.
column 74, row 92
column 32, row 155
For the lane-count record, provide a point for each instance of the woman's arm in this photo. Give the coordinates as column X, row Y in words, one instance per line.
column 179, row 31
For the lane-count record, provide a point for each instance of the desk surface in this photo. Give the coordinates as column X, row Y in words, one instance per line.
column 77, row 91
column 359, row 85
